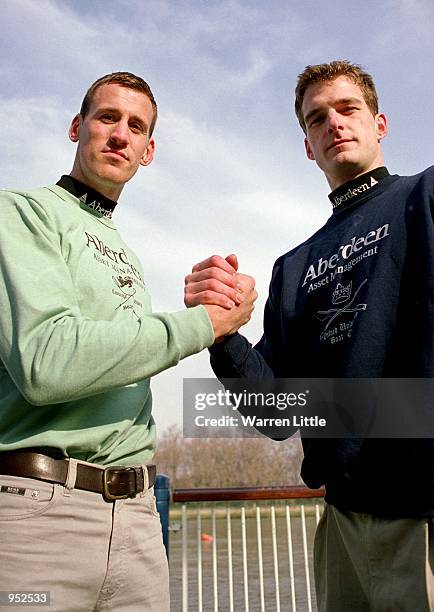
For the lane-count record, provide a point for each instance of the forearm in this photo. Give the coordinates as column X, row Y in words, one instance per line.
column 75, row 358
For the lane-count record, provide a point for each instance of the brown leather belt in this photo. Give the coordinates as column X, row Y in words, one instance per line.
column 114, row 482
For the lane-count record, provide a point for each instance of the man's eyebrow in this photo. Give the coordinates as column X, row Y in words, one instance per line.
column 139, row 120
column 350, row 100
column 106, row 109
column 339, row 102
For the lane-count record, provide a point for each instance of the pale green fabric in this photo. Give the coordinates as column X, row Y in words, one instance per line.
column 78, row 340
column 365, row 563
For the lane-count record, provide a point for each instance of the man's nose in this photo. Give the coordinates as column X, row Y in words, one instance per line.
column 334, row 121
column 119, row 134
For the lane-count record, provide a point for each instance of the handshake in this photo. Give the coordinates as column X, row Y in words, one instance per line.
column 227, row 295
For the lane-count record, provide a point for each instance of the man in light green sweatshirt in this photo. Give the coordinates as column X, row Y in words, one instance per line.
column 78, row 345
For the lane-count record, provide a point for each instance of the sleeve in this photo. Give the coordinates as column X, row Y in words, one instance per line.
column 240, row 366
column 51, row 351
column 417, row 280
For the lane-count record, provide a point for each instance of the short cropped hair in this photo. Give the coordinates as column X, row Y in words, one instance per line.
column 125, row 79
column 329, row 72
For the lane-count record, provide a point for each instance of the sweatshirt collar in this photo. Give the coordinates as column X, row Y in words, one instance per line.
column 88, row 196
column 353, row 191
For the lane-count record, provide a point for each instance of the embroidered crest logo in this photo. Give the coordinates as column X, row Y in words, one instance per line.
column 344, row 304
column 341, row 293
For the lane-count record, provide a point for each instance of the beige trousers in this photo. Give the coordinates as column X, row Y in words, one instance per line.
column 90, row 555
column 370, row 564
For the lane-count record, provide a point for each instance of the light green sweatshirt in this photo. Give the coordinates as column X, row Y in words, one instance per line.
column 78, row 340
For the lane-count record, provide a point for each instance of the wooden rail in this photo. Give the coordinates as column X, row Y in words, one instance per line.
column 245, row 493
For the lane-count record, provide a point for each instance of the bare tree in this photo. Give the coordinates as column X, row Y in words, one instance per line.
column 234, row 462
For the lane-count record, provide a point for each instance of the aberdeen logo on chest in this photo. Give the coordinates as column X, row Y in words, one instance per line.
column 345, row 251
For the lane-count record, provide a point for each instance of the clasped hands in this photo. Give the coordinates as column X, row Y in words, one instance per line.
column 227, row 295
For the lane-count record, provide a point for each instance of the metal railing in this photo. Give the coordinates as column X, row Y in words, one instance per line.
column 244, row 549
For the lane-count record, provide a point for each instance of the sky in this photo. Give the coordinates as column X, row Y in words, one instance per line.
column 230, row 173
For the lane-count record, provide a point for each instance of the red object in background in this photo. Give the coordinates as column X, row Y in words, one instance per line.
column 206, row 537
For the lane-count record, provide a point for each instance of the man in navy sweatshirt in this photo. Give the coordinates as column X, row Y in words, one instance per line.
column 355, row 300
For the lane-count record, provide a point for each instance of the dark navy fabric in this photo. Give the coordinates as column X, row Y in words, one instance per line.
column 356, row 300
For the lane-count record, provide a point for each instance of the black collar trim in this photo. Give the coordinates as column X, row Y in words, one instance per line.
column 354, row 190
column 88, row 196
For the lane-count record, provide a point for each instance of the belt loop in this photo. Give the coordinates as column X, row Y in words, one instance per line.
column 70, row 477
column 145, row 478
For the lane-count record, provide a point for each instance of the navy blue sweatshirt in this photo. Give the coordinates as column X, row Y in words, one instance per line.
column 356, row 300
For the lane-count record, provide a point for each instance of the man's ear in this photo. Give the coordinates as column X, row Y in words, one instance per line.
column 148, row 155
column 74, row 128
column 309, row 151
column 381, row 126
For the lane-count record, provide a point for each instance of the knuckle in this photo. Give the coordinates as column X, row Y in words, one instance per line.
column 247, row 281
column 215, row 285
column 215, row 274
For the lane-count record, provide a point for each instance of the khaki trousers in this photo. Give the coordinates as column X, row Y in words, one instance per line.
column 92, row 556
column 370, row 564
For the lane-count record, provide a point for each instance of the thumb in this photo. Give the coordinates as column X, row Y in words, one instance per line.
column 233, row 261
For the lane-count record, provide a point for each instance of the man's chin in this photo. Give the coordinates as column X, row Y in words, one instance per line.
column 345, row 157
column 119, row 175
column 345, row 162
column 114, row 177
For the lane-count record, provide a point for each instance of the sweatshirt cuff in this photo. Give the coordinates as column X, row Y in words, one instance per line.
column 234, row 346
column 192, row 329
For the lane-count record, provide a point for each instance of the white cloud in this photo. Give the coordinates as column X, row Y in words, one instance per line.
column 35, row 147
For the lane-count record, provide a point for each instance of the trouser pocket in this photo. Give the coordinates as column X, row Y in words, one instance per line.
column 23, row 498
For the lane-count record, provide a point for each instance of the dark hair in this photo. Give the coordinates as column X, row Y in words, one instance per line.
column 125, row 79
column 328, row 72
